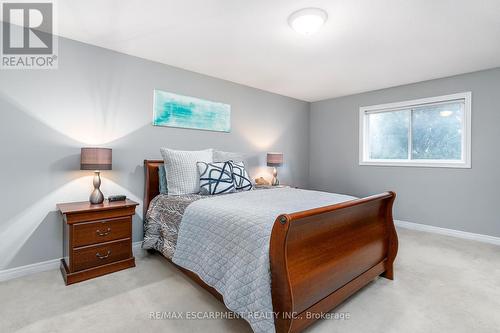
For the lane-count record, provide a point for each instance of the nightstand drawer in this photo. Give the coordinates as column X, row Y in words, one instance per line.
column 101, row 231
column 101, row 254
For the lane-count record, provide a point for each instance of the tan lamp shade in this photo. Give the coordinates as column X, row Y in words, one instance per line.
column 274, row 159
column 96, row 159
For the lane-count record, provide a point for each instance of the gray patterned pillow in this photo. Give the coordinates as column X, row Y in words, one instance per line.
column 241, row 178
column 216, row 178
column 182, row 172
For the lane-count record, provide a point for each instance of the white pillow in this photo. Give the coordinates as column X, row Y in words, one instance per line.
column 224, row 156
column 182, row 172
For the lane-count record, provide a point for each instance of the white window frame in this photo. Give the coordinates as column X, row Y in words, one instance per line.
column 465, row 162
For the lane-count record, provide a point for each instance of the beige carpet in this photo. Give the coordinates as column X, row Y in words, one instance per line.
column 442, row 284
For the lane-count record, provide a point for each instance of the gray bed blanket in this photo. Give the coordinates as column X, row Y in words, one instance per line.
column 225, row 240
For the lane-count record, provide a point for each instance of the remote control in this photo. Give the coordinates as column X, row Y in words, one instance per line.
column 112, row 198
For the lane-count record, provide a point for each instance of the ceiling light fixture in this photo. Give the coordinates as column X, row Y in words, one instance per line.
column 307, row 21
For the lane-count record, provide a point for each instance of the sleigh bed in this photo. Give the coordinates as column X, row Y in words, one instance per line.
column 318, row 257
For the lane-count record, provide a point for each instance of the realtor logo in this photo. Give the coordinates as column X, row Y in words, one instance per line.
column 28, row 40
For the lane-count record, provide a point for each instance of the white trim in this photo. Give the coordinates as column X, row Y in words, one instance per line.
column 422, row 164
column 137, row 249
column 136, row 246
column 48, row 265
column 448, row 232
column 466, row 161
column 16, row 272
column 20, row 271
column 417, row 102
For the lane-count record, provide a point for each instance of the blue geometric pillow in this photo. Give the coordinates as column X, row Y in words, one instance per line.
column 216, row 178
column 241, row 178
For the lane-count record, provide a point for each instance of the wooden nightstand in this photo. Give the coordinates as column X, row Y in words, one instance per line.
column 97, row 239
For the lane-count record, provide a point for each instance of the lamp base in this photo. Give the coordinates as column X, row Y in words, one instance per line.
column 275, row 181
column 96, row 197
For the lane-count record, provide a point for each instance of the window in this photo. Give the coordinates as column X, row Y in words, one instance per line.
column 430, row 132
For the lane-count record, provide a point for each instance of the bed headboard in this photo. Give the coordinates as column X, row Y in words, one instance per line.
column 151, row 182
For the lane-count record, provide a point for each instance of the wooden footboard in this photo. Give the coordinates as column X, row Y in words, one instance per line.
column 322, row 256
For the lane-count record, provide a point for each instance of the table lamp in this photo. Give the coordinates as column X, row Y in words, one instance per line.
column 96, row 159
column 275, row 160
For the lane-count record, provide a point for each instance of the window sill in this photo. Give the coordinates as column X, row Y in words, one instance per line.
column 426, row 164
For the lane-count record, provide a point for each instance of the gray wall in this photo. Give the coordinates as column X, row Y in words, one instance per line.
column 102, row 98
column 99, row 97
column 461, row 199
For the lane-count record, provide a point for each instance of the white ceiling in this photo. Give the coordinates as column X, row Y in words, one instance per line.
column 365, row 44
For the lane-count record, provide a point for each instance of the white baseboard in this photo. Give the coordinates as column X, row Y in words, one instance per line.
column 48, row 265
column 16, row 272
column 448, row 232
column 137, row 249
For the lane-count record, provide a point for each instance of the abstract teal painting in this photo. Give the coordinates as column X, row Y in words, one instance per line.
column 175, row 110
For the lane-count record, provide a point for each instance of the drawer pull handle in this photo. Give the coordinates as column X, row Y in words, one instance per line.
column 100, row 256
column 103, row 233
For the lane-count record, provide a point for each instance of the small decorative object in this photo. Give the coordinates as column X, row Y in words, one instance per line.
column 174, row 110
column 118, row 197
column 261, row 181
column 275, row 160
column 96, row 159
